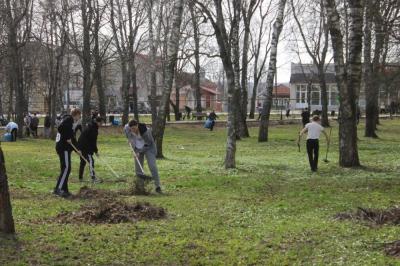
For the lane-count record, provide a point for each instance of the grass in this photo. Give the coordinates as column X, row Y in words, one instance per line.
column 269, row 211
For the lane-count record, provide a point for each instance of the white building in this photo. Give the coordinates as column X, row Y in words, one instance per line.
column 304, row 82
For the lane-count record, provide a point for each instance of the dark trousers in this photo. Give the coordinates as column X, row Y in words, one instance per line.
column 14, row 134
column 313, row 151
column 90, row 159
column 212, row 125
column 34, row 131
column 65, row 167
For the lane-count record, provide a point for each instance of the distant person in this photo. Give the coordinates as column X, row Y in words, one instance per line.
column 358, row 114
column 305, row 117
column 87, row 144
column 314, row 130
column 188, row 111
column 64, row 141
column 34, row 125
column 27, row 122
column 333, row 113
column 47, row 126
column 12, row 128
column 288, row 113
column 212, row 116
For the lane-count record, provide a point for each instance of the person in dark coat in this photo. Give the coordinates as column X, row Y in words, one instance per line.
column 64, row 140
column 212, row 116
column 47, row 126
column 34, row 125
column 305, row 117
column 87, row 144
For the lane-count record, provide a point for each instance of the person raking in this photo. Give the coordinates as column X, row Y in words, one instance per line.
column 141, row 140
column 64, row 140
column 314, row 130
column 87, row 144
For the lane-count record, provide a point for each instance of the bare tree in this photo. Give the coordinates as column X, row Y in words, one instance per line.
column 379, row 22
column 6, row 217
column 316, row 41
column 348, row 76
column 259, row 59
column 18, row 21
column 197, row 68
column 248, row 10
column 126, row 31
column 266, row 110
column 169, row 72
column 228, row 44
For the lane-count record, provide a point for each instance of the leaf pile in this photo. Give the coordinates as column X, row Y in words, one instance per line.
column 112, row 212
column 393, row 249
column 375, row 217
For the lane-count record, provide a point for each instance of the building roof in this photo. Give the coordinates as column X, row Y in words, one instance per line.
column 186, row 79
column 280, row 91
column 305, row 73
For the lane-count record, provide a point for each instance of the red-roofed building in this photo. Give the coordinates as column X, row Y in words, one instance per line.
column 187, row 93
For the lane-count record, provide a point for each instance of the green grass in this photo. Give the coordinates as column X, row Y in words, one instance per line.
column 269, row 211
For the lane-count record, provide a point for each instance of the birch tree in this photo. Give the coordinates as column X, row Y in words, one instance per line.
column 228, row 43
column 315, row 37
column 169, row 72
column 126, row 18
column 267, row 104
column 262, row 32
column 18, row 20
column 348, row 76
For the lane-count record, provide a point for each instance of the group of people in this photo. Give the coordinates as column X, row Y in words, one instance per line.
column 139, row 137
column 31, row 125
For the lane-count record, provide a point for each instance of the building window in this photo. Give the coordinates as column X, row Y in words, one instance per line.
column 315, row 95
column 301, row 93
column 333, row 95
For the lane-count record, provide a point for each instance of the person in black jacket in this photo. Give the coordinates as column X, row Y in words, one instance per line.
column 64, row 141
column 305, row 117
column 87, row 144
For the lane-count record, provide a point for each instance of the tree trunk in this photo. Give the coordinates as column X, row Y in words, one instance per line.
column 132, row 70
column 324, row 98
column 173, row 46
column 265, row 115
column 370, row 90
column 125, row 91
column 348, row 80
column 177, row 103
column 6, row 217
column 196, row 78
column 86, row 62
column 153, row 69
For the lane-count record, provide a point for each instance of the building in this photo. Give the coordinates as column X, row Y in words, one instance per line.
column 304, row 87
column 280, row 95
column 187, row 93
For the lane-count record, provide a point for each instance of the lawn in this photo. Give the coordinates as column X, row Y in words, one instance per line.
column 269, row 211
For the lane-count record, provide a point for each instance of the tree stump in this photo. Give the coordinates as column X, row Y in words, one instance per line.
column 6, row 218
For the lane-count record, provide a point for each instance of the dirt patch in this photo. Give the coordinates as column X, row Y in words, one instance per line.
column 393, row 249
column 374, row 217
column 112, row 212
column 88, row 193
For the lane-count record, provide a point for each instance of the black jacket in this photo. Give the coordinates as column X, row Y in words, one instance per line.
column 87, row 142
column 47, row 121
column 65, row 132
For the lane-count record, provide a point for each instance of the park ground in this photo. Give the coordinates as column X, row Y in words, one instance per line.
column 269, row 211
